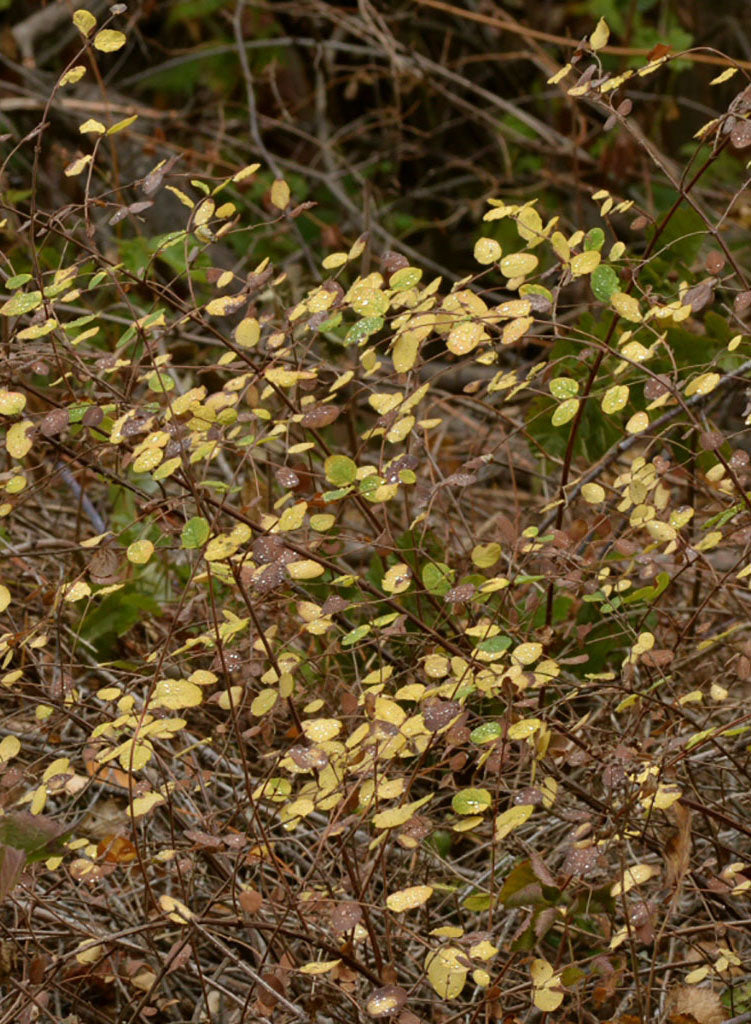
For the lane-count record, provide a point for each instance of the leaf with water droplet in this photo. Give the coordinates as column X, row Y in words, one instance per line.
column 140, row 551
column 446, row 971
column 604, row 282
column 176, row 694
column 519, row 264
column 386, row 1001
column 703, row 384
column 408, row 899
column 195, row 533
column 615, row 398
column 565, row 412
column 11, row 402
column 487, row 251
column 585, row 263
column 471, row 801
column 563, row 387
column 626, row 306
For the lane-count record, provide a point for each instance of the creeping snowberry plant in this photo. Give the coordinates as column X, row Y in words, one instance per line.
column 375, row 644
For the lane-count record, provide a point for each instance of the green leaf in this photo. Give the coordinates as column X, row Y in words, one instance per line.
column 594, row 239
column 471, row 801
column 340, row 470
column 604, row 282
column 486, row 732
column 195, row 533
column 437, row 578
column 37, row 836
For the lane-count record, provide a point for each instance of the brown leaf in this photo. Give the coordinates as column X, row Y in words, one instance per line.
column 740, row 136
column 11, row 866
column 316, row 416
column 250, row 900
column 660, row 50
column 691, row 1005
column 54, row 422
column 701, row 295
column 116, row 850
column 345, row 916
column 677, row 850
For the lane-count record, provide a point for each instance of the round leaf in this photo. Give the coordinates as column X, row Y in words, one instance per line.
column 195, row 533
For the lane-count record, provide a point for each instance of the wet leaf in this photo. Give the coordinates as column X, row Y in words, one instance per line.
column 446, row 971
column 384, row 1002
column 195, row 533
column 408, row 899
column 471, row 801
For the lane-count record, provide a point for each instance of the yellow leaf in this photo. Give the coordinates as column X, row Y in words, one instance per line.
column 486, row 555
column 76, row 591
column 91, row 127
column 319, row 966
column 633, row 876
column 185, row 200
column 593, row 493
column 397, row 579
column 109, row 40
column 334, row 260
column 4, row 597
column 527, row 653
column 11, row 402
column 585, row 263
column 487, row 250
column 703, row 384
column 560, row 74
column 524, row 729
column 446, row 971
column 17, row 440
column 398, row 815
column 224, row 305
column 518, row 264
column 77, row 166
column 245, row 172
column 176, row 694
column 9, row 748
column 90, row 954
column 174, row 909
column 626, row 306
column 264, row 702
column 637, row 423
column 280, row 194
column 306, row 569
column 140, row 551
column 409, row 899
column 292, row 518
column 724, row 76
column 511, row 819
column 465, row 337
column 84, row 21
column 600, row 36
column 548, row 999
column 529, row 224
column 320, row 730
column 615, row 398
column 143, row 804
column 73, row 75
column 247, row 332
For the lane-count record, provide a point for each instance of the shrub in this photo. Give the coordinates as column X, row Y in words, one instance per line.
column 372, row 642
